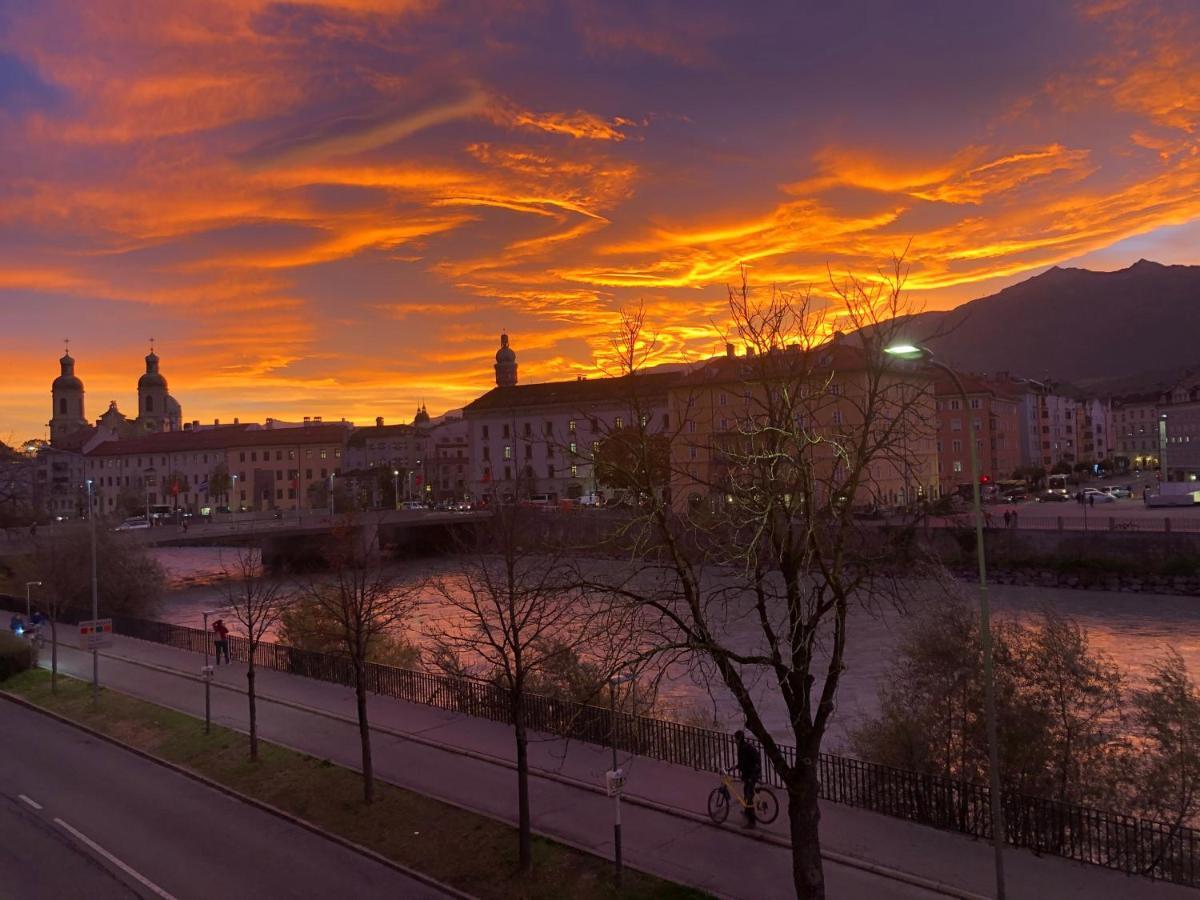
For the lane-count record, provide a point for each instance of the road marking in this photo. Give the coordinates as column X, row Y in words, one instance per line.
column 128, row 870
column 29, row 801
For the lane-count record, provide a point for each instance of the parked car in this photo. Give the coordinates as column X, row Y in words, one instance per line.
column 1120, row 492
column 412, row 505
column 135, row 524
column 1091, row 494
column 1052, row 497
column 1015, row 496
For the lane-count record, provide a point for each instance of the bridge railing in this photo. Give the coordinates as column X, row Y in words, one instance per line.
column 1112, row 840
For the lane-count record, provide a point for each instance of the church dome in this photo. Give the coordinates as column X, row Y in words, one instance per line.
column 152, row 380
column 67, row 381
column 505, row 354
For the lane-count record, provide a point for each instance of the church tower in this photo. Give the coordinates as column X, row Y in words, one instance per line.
column 153, row 400
column 506, row 364
column 66, row 414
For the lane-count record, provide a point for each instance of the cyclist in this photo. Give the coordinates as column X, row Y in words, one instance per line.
column 750, row 769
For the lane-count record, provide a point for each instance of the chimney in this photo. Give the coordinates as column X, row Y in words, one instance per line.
column 187, row 426
column 307, row 420
column 749, row 350
column 270, row 421
column 195, row 424
column 729, row 352
column 216, row 421
column 316, row 420
column 235, row 421
column 379, row 421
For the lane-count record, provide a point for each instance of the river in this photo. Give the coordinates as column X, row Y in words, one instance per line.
column 1131, row 628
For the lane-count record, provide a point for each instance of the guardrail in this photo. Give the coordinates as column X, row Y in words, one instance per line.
column 1114, row 841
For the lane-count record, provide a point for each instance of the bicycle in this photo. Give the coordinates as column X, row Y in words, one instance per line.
column 766, row 806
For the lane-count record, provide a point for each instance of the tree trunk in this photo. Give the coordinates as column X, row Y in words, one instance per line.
column 804, row 815
column 364, row 731
column 524, row 822
column 253, row 709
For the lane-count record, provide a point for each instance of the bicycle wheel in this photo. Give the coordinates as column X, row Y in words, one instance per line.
column 718, row 805
column 766, row 806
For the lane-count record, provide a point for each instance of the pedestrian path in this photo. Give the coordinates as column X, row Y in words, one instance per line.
column 468, row 762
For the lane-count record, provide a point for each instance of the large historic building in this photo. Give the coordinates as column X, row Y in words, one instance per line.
column 539, row 439
column 158, row 411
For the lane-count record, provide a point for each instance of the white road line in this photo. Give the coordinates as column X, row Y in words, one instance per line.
column 29, row 801
column 133, row 873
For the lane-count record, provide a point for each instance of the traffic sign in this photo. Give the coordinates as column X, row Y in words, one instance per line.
column 95, row 634
column 614, row 782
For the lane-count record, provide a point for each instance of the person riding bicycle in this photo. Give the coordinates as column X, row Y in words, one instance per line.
column 17, row 624
column 749, row 767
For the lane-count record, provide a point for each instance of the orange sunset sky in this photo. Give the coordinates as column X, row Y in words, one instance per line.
column 333, row 208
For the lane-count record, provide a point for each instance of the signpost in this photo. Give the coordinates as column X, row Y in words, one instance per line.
column 95, row 634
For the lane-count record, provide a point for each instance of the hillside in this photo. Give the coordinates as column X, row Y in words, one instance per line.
column 1090, row 328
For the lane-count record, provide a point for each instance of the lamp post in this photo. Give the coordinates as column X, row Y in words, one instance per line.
column 233, row 512
column 1162, row 448
column 95, row 594
column 616, row 776
column 207, row 672
column 913, row 352
column 28, row 585
column 332, row 476
column 396, row 488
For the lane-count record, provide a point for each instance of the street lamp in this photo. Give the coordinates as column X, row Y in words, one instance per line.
column 916, row 353
column 28, row 585
column 207, row 672
column 1162, row 448
column 615, row 777
column 332, row 476
column 396, row 488
column 95, row 594
column 239, row 503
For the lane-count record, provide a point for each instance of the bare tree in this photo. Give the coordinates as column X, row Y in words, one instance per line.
column 256, row 602
column 360, row 604
column 516, row 615
column 783, row 445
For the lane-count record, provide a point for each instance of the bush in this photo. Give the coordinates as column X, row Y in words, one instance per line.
column 15, row 655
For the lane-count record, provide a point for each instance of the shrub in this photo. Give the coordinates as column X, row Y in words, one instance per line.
column 15, row 655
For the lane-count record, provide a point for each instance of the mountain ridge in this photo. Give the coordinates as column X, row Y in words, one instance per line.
column 1088, row 328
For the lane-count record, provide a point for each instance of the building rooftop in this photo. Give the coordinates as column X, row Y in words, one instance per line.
column 222, row 437
column 577, row 393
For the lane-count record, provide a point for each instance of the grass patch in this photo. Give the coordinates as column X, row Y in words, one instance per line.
column 469, row 851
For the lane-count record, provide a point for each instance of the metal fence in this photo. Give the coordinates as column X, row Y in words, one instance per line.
column 1127, row 844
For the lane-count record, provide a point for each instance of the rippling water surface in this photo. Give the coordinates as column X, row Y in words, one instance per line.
column 1132, row 628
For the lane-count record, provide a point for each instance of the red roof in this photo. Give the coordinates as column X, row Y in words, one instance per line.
column 224, row 437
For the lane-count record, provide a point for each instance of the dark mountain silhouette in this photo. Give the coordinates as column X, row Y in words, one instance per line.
column 1132, row 328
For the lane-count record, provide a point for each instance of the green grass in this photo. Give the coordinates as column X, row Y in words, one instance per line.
column 469, row 851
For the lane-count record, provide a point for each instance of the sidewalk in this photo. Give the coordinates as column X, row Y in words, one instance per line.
column 468, row 762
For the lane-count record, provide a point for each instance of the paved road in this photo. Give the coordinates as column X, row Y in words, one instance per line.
column 112, row 824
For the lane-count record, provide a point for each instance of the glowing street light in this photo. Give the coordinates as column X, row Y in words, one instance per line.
column 917, row 353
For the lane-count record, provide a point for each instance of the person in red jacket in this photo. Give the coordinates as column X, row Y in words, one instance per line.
column 221, row 639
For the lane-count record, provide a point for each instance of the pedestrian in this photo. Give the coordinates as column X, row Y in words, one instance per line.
column 1091, row 499
column 1014, row 519
column 221, row 639
column 750, row 769
column 1007, row 518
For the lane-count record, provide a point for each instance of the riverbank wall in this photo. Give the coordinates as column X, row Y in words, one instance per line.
column 1109, row 561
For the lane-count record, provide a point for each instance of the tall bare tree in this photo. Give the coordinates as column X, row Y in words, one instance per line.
column 516, row 614
column 256, row 601
column 361, row 604
column 775, row 450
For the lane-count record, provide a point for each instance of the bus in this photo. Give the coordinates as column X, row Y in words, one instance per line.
column 1056, row 484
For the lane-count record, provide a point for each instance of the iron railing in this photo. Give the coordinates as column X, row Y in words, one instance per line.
column 1114, row 841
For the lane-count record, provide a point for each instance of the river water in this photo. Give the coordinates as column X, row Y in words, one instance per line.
column 1131, row 628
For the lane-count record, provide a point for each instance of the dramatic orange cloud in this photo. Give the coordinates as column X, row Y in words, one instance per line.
column 334, row 207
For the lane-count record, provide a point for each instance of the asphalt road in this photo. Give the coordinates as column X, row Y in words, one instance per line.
column 111, row 824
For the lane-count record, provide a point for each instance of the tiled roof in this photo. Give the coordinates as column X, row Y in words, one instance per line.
column 376, row 432
column 223, row 437
column 578, row 393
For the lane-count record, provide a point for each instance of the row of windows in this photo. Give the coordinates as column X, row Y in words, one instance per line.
column 506, row 430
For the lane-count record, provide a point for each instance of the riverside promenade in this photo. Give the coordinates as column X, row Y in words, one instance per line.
column 469, row 762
